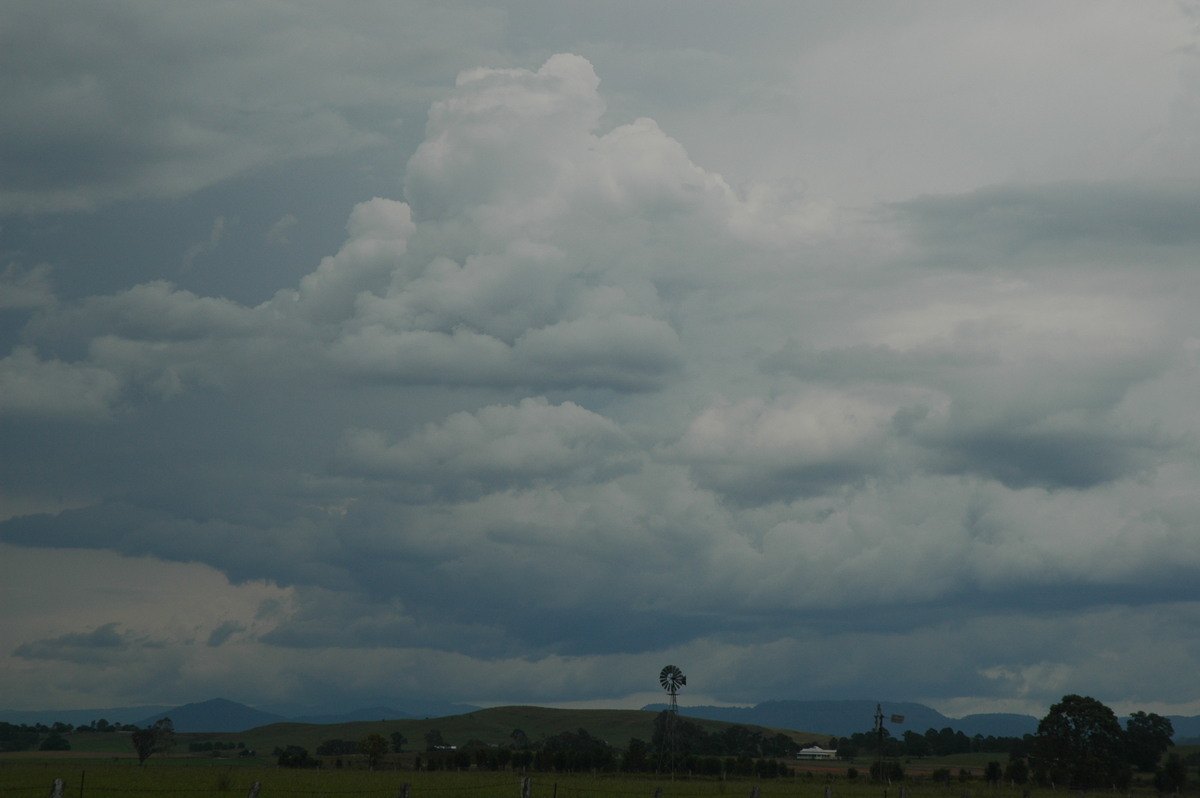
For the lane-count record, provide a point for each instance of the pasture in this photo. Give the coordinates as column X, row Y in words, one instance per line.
column 198, row 777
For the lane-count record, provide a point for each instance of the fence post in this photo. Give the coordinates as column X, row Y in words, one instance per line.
column 254, row 788
column 404, row 789
column 828, row 791
column 658, row 792
column 56, row 788
column 526, row 787
column 754, row 792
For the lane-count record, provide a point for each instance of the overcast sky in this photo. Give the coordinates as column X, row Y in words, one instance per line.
column 505, row 352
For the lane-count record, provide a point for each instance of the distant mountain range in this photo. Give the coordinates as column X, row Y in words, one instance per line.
column 843, row 718
column 834, row 718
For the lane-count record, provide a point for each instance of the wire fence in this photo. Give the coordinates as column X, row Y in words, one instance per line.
column 268, row 785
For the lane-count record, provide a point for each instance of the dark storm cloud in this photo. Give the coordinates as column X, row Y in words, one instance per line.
column 287, row 554
column 98, row 646
column 223, row 633
column 126, row 100
column 1068, row 458
column 1001, row 222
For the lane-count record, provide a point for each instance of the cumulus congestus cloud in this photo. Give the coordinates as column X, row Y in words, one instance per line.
column 567, row 401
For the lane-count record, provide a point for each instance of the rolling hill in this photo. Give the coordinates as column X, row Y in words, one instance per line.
column 490, row 726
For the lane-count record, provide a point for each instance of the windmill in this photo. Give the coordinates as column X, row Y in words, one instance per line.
column 671, row 679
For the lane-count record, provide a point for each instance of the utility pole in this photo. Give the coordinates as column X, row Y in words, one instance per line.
column 879, row 741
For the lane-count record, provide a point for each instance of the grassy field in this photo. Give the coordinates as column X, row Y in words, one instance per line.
column 199, row 778
column 103, row 765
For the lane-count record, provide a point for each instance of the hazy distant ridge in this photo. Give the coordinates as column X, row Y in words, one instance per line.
column 835, row 718
column 843, row 718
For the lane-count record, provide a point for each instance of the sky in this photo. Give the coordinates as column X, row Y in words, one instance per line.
column 506, row 352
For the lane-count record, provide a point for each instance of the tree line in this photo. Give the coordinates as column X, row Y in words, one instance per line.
column 1080, row 744
column 43, row 737
column 676, row 744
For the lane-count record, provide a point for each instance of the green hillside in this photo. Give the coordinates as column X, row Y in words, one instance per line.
column 490, row 726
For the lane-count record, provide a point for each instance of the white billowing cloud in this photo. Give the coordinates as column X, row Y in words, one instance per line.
column 33, row 387
column 512, row 167
column 378, row 232
column 156, row 312
column 923, row 538
column 504, row 137
column 548, row 273
column 503, row 445
column 790, row 446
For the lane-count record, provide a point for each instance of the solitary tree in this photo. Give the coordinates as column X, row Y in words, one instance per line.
column 1147, row 738
column 1080, row 744
column 398, row 742
column 158, row 738
column 373, row 747
column 143, row 744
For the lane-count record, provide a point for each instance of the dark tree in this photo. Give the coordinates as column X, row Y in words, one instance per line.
column 143, row 743
column 1080, row 744
column 55, row 742
column 374, row 746
column 636, row 758
column 398, row 742
column 1172, row 776
column 915, row 744
column 337, row 747
column 779, row 746
column 17, row 738
column 434, row 740
column 1016, row 771
column 575, row 751
column 1147, row 738
column 164, row 735
column 294, row 757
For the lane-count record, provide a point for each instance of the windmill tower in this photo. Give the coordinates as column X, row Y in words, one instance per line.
column 671, row 679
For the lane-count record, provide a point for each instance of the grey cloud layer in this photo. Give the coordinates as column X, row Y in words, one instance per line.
column 127, row 100
column 575, row 402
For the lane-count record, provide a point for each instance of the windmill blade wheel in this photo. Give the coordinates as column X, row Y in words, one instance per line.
column 671, row 678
